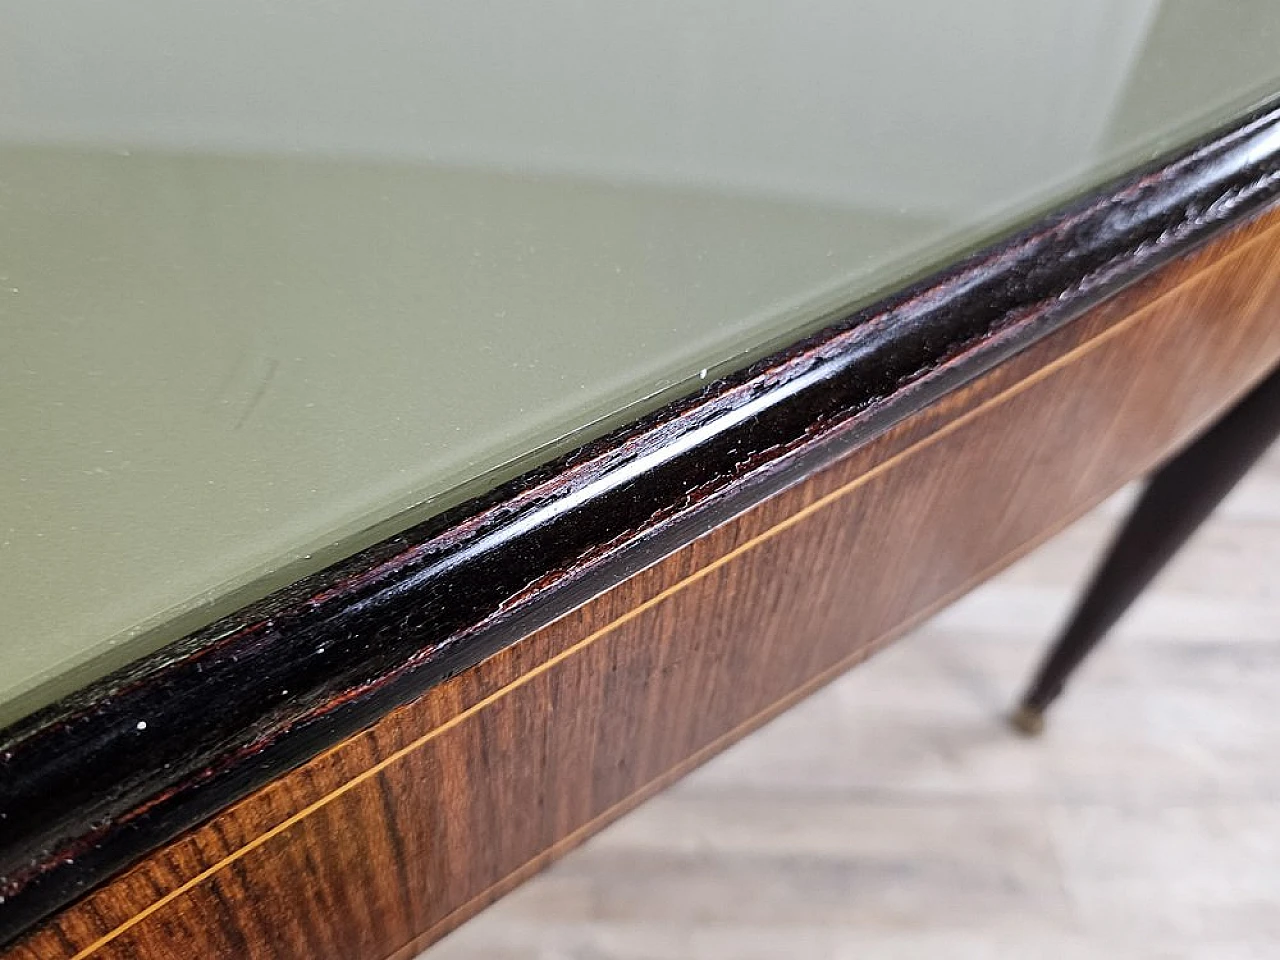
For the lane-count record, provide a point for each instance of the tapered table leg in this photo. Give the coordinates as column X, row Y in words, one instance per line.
column 1175, row 502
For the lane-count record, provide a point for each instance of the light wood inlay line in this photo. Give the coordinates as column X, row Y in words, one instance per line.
column 568, row 842
column 803, row 513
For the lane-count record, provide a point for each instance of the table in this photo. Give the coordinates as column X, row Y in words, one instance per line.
column 429, row 432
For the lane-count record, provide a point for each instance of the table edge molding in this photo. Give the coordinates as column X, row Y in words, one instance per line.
column 99, row 779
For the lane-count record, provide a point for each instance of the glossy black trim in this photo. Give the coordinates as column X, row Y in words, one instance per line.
column 85, row 791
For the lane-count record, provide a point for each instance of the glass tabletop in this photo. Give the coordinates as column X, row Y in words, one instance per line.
column 280, row 278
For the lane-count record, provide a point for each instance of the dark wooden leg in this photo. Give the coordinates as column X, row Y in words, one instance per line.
column 1176, row 501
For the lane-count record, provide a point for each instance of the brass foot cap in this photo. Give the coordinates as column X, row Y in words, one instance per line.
column 1027, row 721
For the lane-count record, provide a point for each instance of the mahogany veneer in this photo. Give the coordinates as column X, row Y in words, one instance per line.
column 384, row 842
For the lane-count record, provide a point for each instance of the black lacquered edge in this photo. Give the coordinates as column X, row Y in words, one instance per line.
column 85, row 789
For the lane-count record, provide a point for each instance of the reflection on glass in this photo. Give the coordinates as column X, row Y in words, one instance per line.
column 277, row 278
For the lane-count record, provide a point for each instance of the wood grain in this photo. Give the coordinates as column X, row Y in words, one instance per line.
column 1177, row 498
column 391, row 838
column 85, row 791
column 891, row 814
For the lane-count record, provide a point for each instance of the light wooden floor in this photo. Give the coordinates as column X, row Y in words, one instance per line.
column 893, row 815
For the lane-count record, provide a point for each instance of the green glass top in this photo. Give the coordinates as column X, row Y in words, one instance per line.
column 279, row 278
